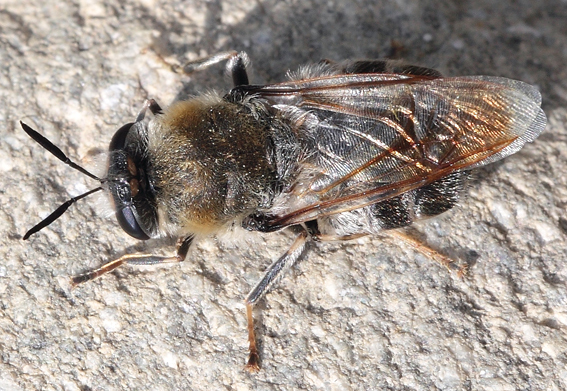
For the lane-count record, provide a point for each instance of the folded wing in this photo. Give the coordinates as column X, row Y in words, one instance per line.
column 371, row 137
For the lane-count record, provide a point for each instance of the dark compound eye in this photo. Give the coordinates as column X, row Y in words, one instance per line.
column 119, row 138
column 123, row 185
column 127, row 220
column 126, row 211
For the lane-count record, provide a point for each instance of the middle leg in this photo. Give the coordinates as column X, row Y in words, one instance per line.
column 272, row 276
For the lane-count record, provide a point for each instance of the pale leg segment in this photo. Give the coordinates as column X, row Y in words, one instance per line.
column 183, row 245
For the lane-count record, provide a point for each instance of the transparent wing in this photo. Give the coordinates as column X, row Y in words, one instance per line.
column 370, row 137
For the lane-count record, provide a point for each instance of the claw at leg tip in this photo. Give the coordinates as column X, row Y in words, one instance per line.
column 253, row 365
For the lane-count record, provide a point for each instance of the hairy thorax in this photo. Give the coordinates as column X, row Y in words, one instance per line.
column 210, row 162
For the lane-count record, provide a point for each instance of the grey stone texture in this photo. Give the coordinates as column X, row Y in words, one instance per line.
column 371, row 314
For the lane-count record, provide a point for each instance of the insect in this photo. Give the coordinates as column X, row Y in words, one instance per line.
column 338, row 151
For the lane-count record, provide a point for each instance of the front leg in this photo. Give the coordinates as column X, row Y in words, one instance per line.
column 149, row 104
column 183, row 245
column 235, row 66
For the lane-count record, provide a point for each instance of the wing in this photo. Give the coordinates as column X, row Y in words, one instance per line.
column 371, row 137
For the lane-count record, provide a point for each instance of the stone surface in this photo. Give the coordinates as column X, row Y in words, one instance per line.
column 368, row 314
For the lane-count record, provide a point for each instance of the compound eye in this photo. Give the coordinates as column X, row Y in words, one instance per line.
column 127, row 220
column 125, row 183
column 119, row 138
column 126, row 212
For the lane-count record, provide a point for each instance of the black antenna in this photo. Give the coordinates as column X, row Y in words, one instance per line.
column 45, row 143
column 58, row 212
column 59, row 154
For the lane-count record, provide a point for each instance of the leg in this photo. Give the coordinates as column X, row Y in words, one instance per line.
column 273, row 275
column 335, row 238
column 428, row 252
column 136, row 259
column 236, row 65
column 415, row 243
column 150, row 104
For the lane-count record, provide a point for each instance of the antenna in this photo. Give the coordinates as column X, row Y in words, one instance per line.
column 45, row 143
column 59, row 154
column 57, row 213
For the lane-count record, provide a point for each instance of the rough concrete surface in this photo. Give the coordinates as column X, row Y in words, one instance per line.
column 371, row 314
